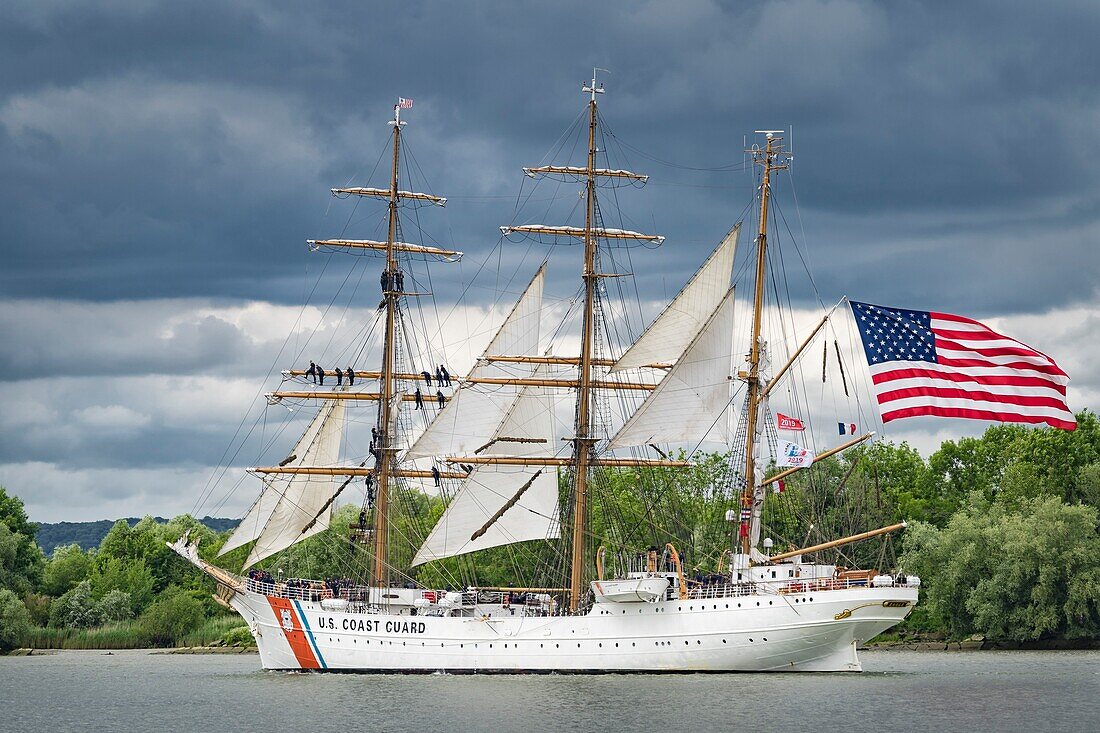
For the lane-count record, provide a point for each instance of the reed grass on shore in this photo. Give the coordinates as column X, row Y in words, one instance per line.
column 125, row 635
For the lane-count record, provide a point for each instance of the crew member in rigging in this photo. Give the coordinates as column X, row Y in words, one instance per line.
column 399, row 279
column 339, row 376
column 312, row 372
column 385, row 280
column 436, row 476
column 351, row 376
column 320, row 376
column 446, row 376
column 427, row 377
column 419, row 399
column 439, row 396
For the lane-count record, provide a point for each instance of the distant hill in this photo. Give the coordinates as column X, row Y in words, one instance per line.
column 90, row 534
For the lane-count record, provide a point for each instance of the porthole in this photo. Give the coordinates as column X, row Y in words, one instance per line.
column 769, row 603
column 686, row 642
column 723, row 641
column 765, row 638
column 633, row 643
column 811, row 599
column 750, row 641
column 758, row 603
column 600, row 646
column 699, row 641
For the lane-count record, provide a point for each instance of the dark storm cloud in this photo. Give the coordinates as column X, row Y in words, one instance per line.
column 163, row 149
column 162, row 162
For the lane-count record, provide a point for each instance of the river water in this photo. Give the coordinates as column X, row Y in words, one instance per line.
column 899, row 691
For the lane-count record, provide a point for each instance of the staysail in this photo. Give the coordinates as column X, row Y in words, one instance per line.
column 473, row 413
column 690, row 401
column 676, row 326
column 296, row 503
column 528, row 495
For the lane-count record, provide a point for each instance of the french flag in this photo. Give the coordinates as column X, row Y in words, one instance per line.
column 846, row 428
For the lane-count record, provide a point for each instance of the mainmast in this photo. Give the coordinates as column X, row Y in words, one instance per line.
column 582, row 440
column 772, row 159
column 380, row 572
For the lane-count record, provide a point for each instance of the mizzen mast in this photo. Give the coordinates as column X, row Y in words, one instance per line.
column 772, row 158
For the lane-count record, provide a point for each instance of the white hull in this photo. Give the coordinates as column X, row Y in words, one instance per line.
column 754, row 633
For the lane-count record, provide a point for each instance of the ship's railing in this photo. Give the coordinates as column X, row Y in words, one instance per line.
column 774, row 587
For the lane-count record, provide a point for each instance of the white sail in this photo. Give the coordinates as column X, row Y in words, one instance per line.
column 474, row 412
column 301, row 498
column 260, row 511
column 254, row 521
column 689, row 403
column 489, row 488
column 671, row 332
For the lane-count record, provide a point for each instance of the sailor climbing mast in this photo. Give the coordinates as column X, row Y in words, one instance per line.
column 772, row 159
column 380, row 573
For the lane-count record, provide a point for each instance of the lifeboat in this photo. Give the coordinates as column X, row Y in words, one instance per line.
column 630, row 590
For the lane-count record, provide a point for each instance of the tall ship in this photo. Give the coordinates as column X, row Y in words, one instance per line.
column 463, row 468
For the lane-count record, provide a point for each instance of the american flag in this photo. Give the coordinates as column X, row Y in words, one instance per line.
column 404, row 103
column 926, row 363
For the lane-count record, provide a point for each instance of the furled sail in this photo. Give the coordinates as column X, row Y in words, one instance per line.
column 473, row 413
column 672, row 331
column 689, row 403
column 500, row 505
column 300, row 499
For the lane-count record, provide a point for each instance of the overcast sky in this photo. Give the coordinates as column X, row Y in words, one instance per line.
column 162, row 163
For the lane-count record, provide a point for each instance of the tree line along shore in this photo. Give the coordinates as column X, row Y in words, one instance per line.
column 1004, row 531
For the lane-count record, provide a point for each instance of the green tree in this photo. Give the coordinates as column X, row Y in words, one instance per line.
column 76, row 609
column 127, row 575
column 15, row 620
column 66, row 567
column 1025, row 569
column 1087, row 487
column 21, row 560
column 115, row 606
column 171, row 616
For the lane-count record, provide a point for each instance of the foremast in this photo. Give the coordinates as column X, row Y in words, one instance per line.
column 379, row 569
column 386, row 469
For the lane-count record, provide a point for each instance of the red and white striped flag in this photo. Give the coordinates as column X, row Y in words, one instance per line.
column 404, row 103
column 925, row 363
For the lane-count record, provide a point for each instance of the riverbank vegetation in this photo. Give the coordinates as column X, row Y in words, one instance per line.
column 1003, row 529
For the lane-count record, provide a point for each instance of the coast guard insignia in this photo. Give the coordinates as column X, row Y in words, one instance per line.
column 288, row 623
